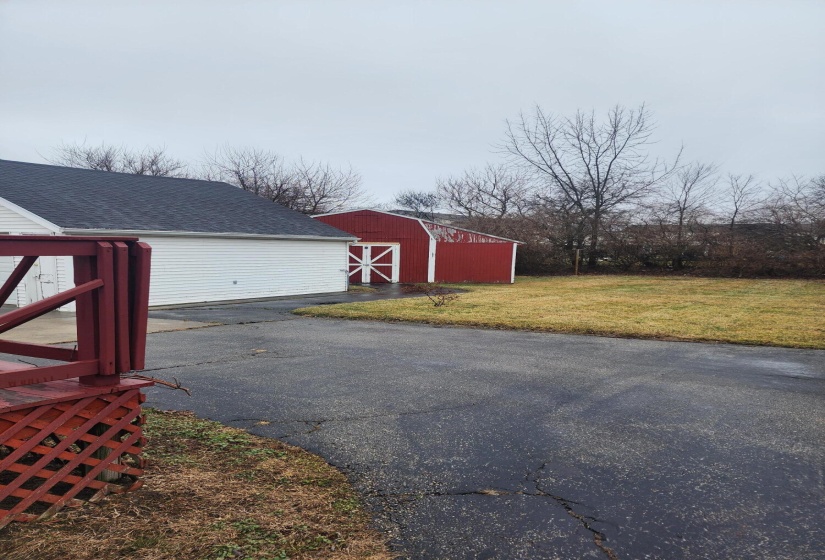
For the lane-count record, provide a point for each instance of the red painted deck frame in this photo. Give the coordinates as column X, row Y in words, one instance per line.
column 51, row 436
column 68, row 428
column 111, row 295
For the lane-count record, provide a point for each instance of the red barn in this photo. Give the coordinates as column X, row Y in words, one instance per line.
column 396, row 248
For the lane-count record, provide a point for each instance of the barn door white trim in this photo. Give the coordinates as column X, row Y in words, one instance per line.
column 367, row 264
column 431, row 261
column 513, row 269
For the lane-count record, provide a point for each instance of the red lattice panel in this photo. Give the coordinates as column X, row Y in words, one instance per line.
column 61, row 443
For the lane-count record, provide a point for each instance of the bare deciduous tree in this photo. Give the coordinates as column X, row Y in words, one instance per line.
column 594, row 167
column 421, row 203
column 743, row 200
column 149, row 161
column 260, row 172
column 494, row 191
column 324, row 188
column 800, row 204
column 682, row 204
column 308, row 187
column 743, row 196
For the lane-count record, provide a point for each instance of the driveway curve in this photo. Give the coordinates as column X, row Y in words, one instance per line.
column 472, row 444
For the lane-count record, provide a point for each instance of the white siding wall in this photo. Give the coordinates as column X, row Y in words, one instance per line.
column 200, row 269
column 6, row 267
column 197, row 269
column 12, row 222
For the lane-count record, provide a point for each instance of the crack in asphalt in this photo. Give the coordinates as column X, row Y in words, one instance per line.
column 599, row 538
column 208, row 362
column 318, row 422
column 257, row 322
column 228, row 360
column 585, row 520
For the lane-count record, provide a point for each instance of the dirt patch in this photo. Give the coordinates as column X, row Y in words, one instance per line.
column 211, row 492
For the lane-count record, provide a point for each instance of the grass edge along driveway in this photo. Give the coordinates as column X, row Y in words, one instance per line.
column 212, row 493
column 788, row 313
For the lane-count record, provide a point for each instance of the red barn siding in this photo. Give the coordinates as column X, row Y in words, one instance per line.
column 461, row 255
column 376, row 227
column 473, row 262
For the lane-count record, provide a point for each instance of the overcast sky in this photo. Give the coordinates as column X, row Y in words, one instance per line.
column 409, row 91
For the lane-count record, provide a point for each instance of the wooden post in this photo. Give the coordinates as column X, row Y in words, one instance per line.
column 106, row 308
column 102, row 452
column 576, row 266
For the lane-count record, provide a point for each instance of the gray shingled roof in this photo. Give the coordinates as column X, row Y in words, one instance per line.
column 86, row 199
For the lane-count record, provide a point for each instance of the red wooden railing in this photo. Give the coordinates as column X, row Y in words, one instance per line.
column 111, row 295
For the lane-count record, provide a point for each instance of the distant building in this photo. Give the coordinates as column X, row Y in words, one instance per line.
column 398, row 248
column 210, row 241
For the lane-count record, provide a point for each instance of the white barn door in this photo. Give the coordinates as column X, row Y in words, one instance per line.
column 39, row 282
column 374, row 263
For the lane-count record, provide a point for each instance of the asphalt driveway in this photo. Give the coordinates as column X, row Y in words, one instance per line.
column 494, row 444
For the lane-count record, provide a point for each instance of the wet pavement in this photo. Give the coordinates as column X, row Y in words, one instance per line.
column 474, row 444
column 276, row 309
column 59, row 327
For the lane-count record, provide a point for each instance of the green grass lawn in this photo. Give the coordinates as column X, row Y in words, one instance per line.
column 765, row 312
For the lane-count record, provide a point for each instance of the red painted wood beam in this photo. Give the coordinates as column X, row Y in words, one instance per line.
column 67, row 238
column 141, row 272
column 19, row 316
column 85, row 316
column 123, row 359
column 106, row 308
column 34, row 248
column 38, row 351
column 30, row 376
column 54, row 245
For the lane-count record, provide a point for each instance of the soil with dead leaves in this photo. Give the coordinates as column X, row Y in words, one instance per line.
column 211, row 492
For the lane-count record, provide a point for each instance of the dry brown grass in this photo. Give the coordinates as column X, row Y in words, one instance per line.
column 211, row 492
column 763, row 312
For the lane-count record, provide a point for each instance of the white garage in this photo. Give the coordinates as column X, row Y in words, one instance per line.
column 210, row 241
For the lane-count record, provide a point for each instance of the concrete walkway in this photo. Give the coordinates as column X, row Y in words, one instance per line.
column 59, row 327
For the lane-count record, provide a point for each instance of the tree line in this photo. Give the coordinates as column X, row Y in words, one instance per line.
column 564, row 186
column 587, row 186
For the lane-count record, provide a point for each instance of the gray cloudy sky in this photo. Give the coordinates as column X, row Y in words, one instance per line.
column 409, row 91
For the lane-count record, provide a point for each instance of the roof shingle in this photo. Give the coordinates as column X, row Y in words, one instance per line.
column 87, row 199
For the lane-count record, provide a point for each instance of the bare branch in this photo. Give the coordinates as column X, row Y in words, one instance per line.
column 423, row 204
column 595, row 168
column 494, row 191
column 307, row 187
column 149, row 161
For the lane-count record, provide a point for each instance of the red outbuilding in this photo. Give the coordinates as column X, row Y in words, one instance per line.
column 396, row 248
